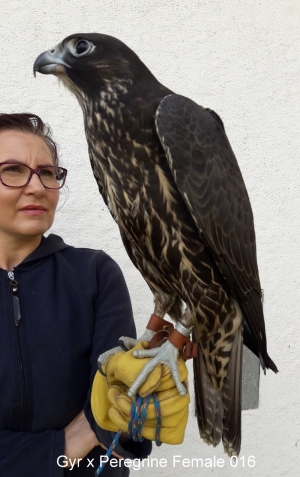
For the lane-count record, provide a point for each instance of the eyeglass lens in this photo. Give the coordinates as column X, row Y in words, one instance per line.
column 17, row 175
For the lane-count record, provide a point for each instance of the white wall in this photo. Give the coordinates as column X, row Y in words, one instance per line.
column 240, row 58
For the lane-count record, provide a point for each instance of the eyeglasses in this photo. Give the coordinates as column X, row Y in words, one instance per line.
column 16, row 175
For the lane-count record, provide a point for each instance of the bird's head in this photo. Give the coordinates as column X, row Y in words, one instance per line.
column 88, row 62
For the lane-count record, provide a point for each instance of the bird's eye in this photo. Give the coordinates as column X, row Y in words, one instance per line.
column 82, row 46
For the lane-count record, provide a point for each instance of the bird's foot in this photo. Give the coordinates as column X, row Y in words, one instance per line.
column 166, row 354
column 127, row 343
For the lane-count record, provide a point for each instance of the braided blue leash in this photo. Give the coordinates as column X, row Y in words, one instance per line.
column 109, row 452
column 138, row 414
column 158, row 419
column 134, row 417
column 142, row 419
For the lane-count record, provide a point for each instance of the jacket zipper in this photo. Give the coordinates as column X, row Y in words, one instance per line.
column 14, row 287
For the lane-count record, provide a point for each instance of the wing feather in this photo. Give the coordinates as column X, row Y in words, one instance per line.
column 208, row 176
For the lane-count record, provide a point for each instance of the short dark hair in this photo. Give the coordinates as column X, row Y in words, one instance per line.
column 30, row 123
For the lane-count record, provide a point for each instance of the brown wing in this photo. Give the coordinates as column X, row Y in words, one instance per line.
column 208, row 176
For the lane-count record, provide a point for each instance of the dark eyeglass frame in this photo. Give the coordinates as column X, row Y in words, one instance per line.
column 36, row 171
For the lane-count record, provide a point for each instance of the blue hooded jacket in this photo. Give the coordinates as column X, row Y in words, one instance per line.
column 74, row 305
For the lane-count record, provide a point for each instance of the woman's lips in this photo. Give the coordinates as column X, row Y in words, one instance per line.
column 33, row 210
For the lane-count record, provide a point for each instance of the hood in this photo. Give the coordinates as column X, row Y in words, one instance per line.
column 49, row 245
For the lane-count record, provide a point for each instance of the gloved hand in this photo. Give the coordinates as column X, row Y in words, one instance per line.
column 111, row 405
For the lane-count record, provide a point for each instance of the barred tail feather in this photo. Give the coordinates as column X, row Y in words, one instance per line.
column 218, row 412
column 231, row 397
column 209, row 406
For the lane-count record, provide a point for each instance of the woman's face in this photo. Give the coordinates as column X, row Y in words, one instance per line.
column 15, row 222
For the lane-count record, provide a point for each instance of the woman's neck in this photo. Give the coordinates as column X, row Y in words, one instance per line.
column 13, row 250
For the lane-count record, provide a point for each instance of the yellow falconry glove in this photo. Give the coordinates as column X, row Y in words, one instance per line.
column 111, row 405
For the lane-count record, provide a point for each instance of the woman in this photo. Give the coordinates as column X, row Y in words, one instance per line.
column 60, row 308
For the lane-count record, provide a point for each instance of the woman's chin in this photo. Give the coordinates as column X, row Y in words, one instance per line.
column 31, row 232
column 32, row 228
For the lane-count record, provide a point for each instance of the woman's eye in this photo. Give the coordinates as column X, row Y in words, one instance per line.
column 82, row 46
column 47, row 172
column 11, row 169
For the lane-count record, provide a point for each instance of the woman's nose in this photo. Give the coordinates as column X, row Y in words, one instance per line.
column 35, row 186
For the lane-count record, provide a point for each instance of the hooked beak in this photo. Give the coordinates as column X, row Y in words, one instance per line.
column 48, row 62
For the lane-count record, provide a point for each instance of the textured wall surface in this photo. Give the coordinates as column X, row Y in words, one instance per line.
column 240, row 58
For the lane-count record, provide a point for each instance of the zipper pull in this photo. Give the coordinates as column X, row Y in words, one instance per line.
column 16, row 302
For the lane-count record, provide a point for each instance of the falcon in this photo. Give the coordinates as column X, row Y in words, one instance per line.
column 167, row 173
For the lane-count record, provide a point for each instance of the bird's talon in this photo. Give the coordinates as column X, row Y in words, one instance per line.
column 122, row 345
column 100, row 369
column 104, row 357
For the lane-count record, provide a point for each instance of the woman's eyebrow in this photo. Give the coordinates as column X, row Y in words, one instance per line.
column 15, row 161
